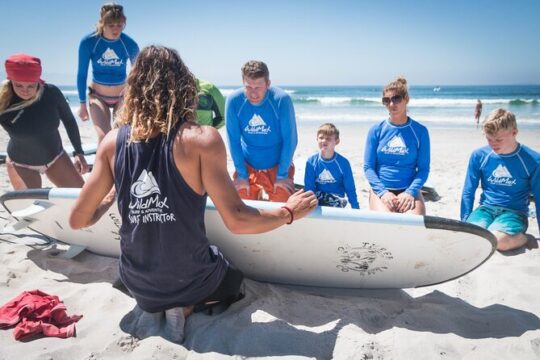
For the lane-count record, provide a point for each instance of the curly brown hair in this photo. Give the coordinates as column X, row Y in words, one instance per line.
column 160, row 92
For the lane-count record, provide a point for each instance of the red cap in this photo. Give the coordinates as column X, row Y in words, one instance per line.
column 24, row 68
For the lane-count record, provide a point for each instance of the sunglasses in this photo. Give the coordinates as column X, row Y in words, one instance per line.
column 396, row 99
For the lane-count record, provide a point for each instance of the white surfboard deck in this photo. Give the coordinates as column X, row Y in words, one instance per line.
column 332, row 247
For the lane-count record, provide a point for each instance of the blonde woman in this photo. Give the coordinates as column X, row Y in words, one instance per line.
column 109, row 49
column 30, row 112
column 164, row 166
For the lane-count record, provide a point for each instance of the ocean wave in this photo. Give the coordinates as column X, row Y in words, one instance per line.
column 418, row 102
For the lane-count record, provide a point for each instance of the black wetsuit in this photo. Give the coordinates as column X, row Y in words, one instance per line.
column 33, row 130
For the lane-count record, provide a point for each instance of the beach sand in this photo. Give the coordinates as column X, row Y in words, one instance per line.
column 493, row 312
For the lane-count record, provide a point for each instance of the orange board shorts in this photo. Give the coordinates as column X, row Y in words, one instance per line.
column 260, row 180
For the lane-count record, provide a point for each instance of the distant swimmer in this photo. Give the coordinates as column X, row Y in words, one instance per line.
column 108, row 49
column 30, row 112
column 397, row 156
column 508, row 172
column 164, row 166
column 261, row 126
column 477, row 112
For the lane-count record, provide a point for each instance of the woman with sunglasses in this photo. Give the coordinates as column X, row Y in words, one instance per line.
column 30, row 112
column 109, row 50
column 397, row 156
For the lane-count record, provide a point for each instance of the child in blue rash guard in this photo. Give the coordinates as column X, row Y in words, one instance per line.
column 261, row 129
column 108, row 49
column 397, row 156
column 328, row 174
column 508, row 173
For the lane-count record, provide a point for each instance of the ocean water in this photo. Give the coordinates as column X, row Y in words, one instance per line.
column 439, row 106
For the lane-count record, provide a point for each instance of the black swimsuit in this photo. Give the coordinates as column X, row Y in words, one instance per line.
column 34, row 138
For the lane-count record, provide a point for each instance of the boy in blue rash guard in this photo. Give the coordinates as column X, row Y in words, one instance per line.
column 508, row 173
column 261, row 129
column 328, row 174
column 397, row 156
column 108, row 49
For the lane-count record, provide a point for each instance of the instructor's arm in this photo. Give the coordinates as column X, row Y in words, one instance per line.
column 96, row 196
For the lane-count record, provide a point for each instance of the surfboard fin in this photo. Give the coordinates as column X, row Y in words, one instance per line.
column 34, row 209
column 73, row 251
column 17, row 225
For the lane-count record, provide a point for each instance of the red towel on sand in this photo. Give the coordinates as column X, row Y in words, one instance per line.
column 35, row 312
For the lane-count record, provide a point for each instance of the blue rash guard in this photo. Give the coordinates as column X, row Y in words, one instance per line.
column 397, row 157
column 109, row 60
column 263, row 135
column 507, row 180
column 332, row 176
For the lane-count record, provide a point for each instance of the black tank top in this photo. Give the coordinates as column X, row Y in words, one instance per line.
column 166, row 260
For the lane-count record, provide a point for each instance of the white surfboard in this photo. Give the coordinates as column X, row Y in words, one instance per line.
column 332, row 247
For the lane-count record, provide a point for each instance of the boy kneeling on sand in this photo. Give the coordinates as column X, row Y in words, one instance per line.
column 508, row 172
column 328, row 174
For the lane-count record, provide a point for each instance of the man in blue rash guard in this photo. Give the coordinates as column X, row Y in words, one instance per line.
column 508, row 173
column 397, row 156
column 108, row 49
column 329, row 174
column 261, row 128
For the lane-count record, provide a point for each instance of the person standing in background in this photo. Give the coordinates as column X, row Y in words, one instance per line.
column 478, row 112
column 109, row 49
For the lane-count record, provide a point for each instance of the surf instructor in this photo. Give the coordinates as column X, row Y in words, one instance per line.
column 163, row 166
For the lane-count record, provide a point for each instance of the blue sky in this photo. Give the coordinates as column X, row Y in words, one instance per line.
column 303, row 42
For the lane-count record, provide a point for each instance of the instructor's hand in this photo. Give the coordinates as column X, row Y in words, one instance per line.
column 302, row 203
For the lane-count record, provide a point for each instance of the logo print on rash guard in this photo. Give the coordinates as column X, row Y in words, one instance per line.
column 149, row 206
column 109, row 58
column 501, row 176
column 396, row 146
column 257, row 126
column 325, row 177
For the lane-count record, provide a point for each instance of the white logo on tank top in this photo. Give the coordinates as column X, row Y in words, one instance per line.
column 257, row 126
column 325, row 177
column 501, row 176
column 149, row 206
column 396, row 146
column 109, row 58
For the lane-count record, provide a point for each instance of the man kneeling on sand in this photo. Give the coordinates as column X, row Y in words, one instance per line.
column 164, row 166
column 508, row 173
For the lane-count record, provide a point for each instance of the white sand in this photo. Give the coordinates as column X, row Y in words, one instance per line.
column 490, row 313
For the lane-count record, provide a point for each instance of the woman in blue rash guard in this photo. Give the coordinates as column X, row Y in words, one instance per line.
column 397, row 156
column 109, row 50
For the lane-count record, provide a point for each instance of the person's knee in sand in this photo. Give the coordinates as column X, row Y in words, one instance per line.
column 164, row 165
column 508, row 173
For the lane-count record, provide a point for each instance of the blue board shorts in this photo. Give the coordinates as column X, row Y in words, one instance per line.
column 496, row 218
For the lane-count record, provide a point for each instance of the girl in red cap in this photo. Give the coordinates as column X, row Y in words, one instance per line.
column 30, row 112
column 109, row 50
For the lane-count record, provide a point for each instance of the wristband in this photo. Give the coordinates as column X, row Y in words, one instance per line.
column 290, row 213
